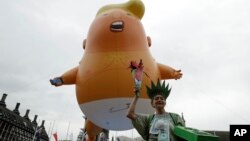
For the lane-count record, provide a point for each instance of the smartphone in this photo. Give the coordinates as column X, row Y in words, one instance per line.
column 56, row 81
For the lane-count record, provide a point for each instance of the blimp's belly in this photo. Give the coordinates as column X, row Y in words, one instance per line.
column 111, row 113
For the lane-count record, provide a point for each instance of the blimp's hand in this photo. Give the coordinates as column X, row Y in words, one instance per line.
column 177, row 74
column 57, row 81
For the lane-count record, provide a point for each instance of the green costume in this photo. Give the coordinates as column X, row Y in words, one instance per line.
column 143, row 124
column 157, row 127
column 166, row 126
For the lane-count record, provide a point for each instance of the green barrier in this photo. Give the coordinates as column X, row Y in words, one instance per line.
column 191, row 134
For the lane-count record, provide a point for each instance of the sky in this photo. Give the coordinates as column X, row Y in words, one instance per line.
column 209, row 40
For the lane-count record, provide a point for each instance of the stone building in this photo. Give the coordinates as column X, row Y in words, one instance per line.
column 14, row 127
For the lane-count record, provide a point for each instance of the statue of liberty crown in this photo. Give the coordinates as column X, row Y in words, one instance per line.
column 158, row 89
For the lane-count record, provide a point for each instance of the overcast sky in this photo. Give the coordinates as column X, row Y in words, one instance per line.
column 209, row 40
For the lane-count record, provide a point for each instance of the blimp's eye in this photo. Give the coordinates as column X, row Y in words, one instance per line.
column 105, row 14
column 129, row 14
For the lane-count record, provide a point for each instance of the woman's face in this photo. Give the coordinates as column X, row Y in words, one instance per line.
column 158, row 101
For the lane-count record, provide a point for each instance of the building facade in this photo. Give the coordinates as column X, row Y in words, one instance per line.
column 14, row 127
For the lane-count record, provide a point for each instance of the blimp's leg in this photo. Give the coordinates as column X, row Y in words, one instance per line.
column 67, row 78
column 167, row 72
column 92, row 130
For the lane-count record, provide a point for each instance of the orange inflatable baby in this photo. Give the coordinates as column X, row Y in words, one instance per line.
column 104, row 84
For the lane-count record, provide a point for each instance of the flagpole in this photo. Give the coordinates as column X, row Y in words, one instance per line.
column 67, row 131
column 71, row 136
column 35, row 131
column 49, row 127
column 34, row 134
column 52, row 129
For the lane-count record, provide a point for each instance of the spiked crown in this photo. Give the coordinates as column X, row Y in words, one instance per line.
column 158, row 89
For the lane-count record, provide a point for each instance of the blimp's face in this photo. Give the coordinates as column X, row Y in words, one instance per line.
column 104, row 83
column 115, row 29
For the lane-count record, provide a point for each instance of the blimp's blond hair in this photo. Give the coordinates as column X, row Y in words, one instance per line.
column 136, row 7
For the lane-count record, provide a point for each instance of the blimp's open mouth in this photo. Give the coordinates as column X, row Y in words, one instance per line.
column 117, row 26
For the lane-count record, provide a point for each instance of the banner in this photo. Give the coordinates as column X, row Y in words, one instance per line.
column 55, row 136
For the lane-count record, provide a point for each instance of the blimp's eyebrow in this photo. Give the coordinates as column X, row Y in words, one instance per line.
column 105, row 14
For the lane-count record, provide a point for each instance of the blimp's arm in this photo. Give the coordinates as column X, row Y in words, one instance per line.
column 67, row 78
column 168, row 72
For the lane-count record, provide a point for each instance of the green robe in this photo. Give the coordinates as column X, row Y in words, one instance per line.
column 143, row 123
